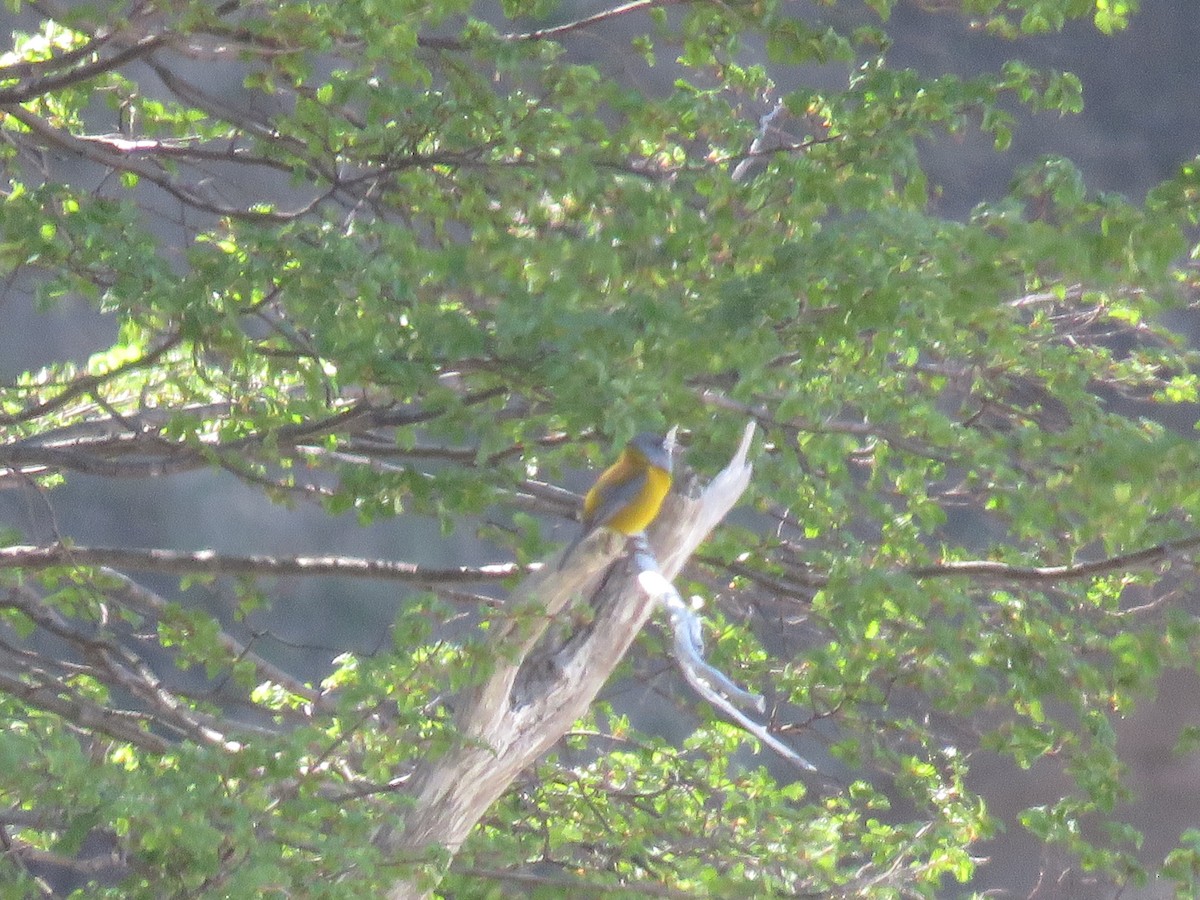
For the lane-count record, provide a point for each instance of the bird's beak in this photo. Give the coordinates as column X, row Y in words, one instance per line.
column 669, row 440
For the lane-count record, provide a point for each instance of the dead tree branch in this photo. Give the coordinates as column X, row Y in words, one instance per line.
column 539, row 687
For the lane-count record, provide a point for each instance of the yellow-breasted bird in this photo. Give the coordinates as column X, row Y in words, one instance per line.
column 630, row 492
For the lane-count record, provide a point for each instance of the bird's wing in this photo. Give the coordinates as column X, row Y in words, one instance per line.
column 615, row 498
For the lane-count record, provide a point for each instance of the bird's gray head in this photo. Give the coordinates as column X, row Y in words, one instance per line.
column 655, row 448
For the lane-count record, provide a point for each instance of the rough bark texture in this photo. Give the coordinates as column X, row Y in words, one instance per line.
column 542, row 684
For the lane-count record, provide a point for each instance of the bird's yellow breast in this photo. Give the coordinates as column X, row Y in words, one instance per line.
column 644, row 506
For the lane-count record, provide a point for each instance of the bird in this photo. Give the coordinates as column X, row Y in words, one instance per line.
column 628, row 494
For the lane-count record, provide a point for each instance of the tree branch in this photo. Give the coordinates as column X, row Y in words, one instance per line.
column 188, row 195
column 119, row 667
column 211, row 563
column 986, row 568
column 86, row 383
column 47, row 83
column 436, row 42
column 52, row 696
column 150, row 605
column 622, row 9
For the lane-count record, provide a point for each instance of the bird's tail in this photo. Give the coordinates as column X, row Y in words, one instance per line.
column 562, row 560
